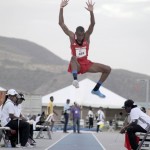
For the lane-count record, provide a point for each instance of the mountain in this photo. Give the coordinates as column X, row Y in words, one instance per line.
column 27, row 66
column 31, row 68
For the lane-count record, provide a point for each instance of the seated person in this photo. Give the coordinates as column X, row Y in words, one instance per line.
column 138, row 122
column 18, row 109
column 37, row 118
column 9, row 119
column 41, row 119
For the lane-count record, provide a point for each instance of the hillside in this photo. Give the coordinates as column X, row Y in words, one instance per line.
column 31, row 68
column 27, row 66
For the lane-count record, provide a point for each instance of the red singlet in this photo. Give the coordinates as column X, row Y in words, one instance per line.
column 81, row 53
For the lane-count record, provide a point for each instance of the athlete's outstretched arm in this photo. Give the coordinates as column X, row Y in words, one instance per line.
column 90, row 8
column 61, row 19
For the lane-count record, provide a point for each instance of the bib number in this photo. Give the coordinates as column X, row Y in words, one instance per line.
column 80, row 52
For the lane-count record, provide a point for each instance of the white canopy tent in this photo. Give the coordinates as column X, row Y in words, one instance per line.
column 2, row 89
column 84, row 97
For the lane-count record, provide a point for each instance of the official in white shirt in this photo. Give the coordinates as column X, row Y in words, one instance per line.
column 139, row 122
column 9, row 119
column 66, row 114
column 91, row 117
column 100, row 119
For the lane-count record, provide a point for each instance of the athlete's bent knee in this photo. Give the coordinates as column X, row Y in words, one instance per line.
column 108, row 69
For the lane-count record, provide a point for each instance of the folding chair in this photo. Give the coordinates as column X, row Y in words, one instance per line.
column 145, row 142
column 46, row 126
column 3, row 132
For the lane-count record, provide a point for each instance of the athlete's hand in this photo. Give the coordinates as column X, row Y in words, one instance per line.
column 90, row 5
column 64, row 3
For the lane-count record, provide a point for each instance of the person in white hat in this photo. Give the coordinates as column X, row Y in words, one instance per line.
column 9, row 119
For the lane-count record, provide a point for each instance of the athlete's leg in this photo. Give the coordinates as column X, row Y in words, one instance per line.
column 74, row 64
column 75, row 67
column 105, row 70
column 97, row 67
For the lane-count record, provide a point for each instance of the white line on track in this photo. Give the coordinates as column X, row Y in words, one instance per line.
column 57, row 142
column 99, row 142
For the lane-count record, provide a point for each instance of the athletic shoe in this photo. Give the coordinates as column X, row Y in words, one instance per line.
column 27, row 146
column 75, row 83
column 18, row 146
column 98, row 93
column 33, row 144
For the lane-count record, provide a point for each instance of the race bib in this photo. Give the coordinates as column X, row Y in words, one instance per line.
column 76, row 112
column 80, row 52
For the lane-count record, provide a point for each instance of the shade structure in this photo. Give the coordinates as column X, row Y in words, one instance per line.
column 84, row 97
column 2, row 89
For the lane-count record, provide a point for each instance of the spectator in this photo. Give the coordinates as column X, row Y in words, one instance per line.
column 120, row 117
column 110, row 126
column 76, row 111
column 9, row 119
column 18, row 113
column 42, row 118
column 90, row 116
column 32, row 121
column 37, row 118
column 66, row 114
column 18, row 106
column 51, row 111
column 100, row 119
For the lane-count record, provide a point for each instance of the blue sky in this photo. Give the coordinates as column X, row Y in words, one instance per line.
column 121, row 36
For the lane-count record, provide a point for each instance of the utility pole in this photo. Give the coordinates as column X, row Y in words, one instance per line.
column 147, row 89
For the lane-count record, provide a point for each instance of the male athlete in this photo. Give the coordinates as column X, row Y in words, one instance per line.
column 80, row 41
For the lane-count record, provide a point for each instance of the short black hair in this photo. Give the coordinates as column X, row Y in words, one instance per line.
column 79, row 29
column 68, row 100
column 128, row 103
column 51, row 97
column 21, row 96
